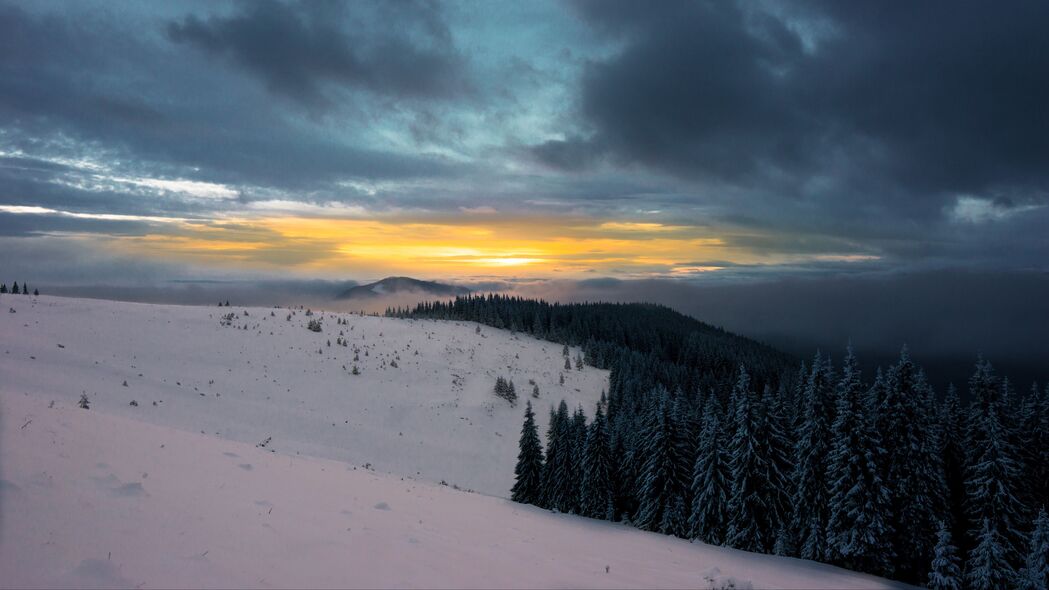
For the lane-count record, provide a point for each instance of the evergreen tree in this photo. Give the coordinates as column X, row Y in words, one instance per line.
column 710, row 480
column 84, row 403
column 596, row 489
column 913, row 472
column 809, row 478
column 577, row 432
column 780, row 457
column 553, row 455
column 992, row 477
column 3, row 288
column 661, row 477
column 945, row 573
column 988, row 567
column 528, row 474
column 562, row 494
column 748, row 512
column 14, row 289
column 1035, row 573
column 953, row 452
column 674, row 519
column 857, row 531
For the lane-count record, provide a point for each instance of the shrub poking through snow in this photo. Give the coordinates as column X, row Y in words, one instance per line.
column 314, row 325
column 84, row 403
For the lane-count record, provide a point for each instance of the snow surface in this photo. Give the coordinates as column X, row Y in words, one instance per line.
column 96, row 500
column 434, row 417
column 185, row 494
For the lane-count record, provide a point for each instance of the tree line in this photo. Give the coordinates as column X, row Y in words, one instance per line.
column 878, row 475
column 16, row 290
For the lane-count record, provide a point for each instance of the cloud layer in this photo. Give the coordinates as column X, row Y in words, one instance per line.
column 691, row 140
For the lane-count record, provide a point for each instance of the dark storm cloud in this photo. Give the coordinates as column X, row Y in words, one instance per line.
column 92, row 83
column 881, row 101
column 298, row 49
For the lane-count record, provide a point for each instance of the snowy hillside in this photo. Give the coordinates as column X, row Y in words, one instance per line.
column 242, row 450
column 433, row 416
column 94, row 500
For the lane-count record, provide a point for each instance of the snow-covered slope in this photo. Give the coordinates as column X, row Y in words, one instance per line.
column 434, row 416
column 95, row 500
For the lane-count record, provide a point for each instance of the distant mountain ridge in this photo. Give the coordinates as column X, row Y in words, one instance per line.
column 402, row 285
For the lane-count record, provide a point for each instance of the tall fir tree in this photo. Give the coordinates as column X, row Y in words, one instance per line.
column 858, row 530
column 953, row 428
column 710, row 479
column 749, row 525
column 809, row 478
column 661, row 480
column 912, row 472
column 993, row 474
column 780, row 457
column 528, row 474
column 595, row 495
column 945, row 573
column 561, row 493
column 1035, row 572
column 988, row 567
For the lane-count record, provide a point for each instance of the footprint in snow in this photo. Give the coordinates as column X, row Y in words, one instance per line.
column 245, row 466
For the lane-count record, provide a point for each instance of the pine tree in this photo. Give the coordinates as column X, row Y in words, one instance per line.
column 1035, row 573
column 14, row 289
column 809, row 477
column 988, row 567
column 596, row 487
column 780, row 457
column 857, row 531
column 84, row 403
column 945, row 573
column 568, row 364
column 3, row 288
column 913, row 472
column 661, row 477
column 710, row 480
column 992, row 477
column 953, row 452
column 578, row 434
column 528, row 473
column 674, row 519
column 561, row 494
column 748, row 514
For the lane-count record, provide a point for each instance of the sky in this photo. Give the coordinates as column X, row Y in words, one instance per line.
column 474, row 140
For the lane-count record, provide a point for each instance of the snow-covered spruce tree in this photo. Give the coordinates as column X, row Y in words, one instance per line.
column 662, row 478
column 578, row 434
column 84, row 403
column 858, row 532
column 1035, row 572
column 710, row 479
column 913, row 472
column 993, row 473
column 780, row 457
column 560, row 451
column 953, row 432
column 674, row 519
column 809, row 478
column 595, row 493
column 552, row 457
column 528, row 474
column 988, row 567
column 945, row 573
column 749, row 526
